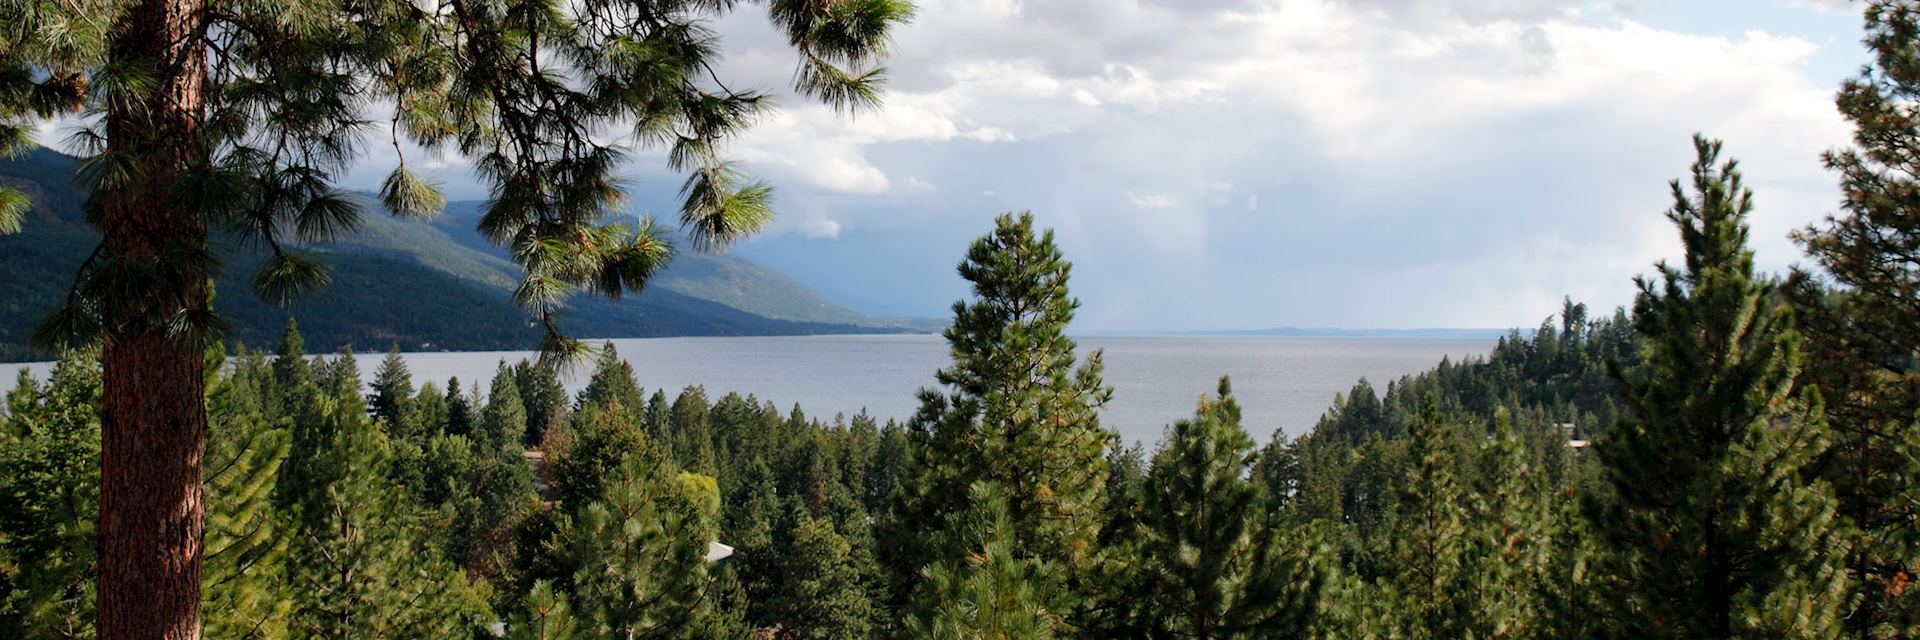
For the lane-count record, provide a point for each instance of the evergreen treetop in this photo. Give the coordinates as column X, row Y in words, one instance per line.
column 393, row 391
column 1018, row 408
column 1716, row 525
column 1211, row 564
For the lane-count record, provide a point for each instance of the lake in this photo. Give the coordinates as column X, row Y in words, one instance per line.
column 1281, row 382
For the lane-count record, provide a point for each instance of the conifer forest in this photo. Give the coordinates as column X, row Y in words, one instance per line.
column 1735, row 454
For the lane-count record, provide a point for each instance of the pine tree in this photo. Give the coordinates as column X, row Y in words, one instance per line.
column 546, row 616
column 1872, row 404
column 342, row 373
column 243, row 590
column 292, row 372
column 503, row 422
column 360, row 566
column 500, row 483
column 1016, row 411
column 1277, row 471
column 1510, row 538
column 545, row 398
column 392, row 397
column 821, row 596
column 603, row 437
column 1427, row 535
column 658, row 420
column 1356, row 415
column 429, row 412
column 237, row 116
column 1567, row 596
column 500, row 496
column 1715, row 526
column 49, row 492
column 988, row 589
column 293, row 396
column 1126, row 481
column 1863, row 353
column 1874, row 247
column 640, row 553
column 888, row 467
column 754, row 508
column 459, row 410
column 445, row 466
column 612, row 382
column 1211, row 562
column 692, row 432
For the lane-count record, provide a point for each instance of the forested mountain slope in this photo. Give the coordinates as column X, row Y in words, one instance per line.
column 423, row 285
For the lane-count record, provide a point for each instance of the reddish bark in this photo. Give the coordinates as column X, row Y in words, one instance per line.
column 153, row 412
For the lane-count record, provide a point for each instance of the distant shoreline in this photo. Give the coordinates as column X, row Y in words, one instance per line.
column 1359, row 334
column 1293, row 332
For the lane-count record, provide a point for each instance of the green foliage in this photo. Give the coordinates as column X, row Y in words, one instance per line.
column 407, row 194
column 443, row 467
column 1017, row 412
column 237, row 116
column 503, row 422
column 359, row 564
column 392, row 398
column 543, row 397
column 13, row 210
column 291, row 372
column 602, row 438
column 429, row 413
column 1715, row 525
column 612, row 383
column 691, row 432
column 243, row 589
column 821, row 595
column 460, row 412
column 1863, row 354
column 988, row 589
column 640, row 553
column 1509, row 563
column 751, row 520
column 499, row 497
column 1874, row 246
column 1210, row 563
column 1428, row 537
column 546, row 617
column 49, row 493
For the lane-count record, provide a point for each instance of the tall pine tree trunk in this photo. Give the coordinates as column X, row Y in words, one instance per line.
column 154, row 419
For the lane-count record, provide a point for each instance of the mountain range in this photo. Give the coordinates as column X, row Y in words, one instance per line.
column 422, row 285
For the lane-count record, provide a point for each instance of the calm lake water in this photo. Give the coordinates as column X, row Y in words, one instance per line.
column 1282, row 382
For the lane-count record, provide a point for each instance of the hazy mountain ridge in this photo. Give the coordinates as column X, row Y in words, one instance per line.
column 722, row 278
column 421, row 284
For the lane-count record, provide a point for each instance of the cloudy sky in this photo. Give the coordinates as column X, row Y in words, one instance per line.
column 1233, row 164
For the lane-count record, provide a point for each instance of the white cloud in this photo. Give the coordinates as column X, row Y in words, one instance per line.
column 1518, row 147
column 1149, row 201
column 1513, row 149
column 820, row 227
column 1826, row 6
